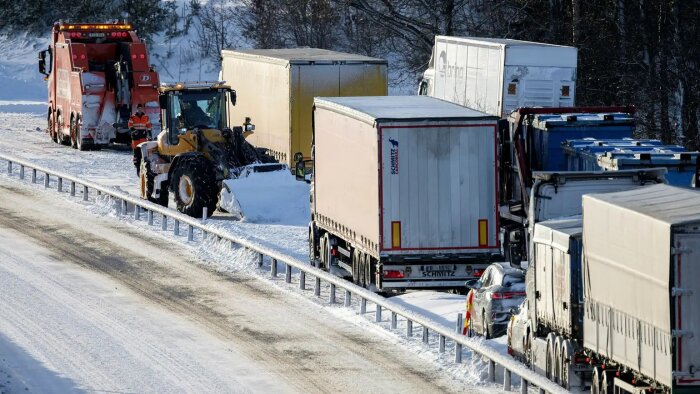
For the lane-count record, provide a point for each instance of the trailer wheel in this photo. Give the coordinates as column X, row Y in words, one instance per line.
column 549, row 357
column 60, row 138
column 606, row 383
column 596, row 380
column 312, row 244
column 566, row 362
column 321, row 253
column 76, row 141
column 194, row 184
column 556, row 358
column 356, row 256
column 368, row 271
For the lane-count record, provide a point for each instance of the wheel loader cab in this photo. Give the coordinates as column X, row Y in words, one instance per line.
column 192, row 113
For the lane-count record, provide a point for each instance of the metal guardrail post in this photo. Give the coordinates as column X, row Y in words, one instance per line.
column 458, row 352
column 273, row 268
column 441, row 345
column 150, row 217
column 541, row 391
column 164, row 223
column 9, row 167
column 204, row 214
column 137, row 213
column 33, row 175
column 426, row 335
column 523, row 385
column 492, row 371
column 363, row 305
column 302, row 280
column 46, row 180
column 176, row 227
column 317, row 287
column 72, row 189
column 460, row 324
column 394, row 320
column 288, row 273
column 85, row 193
column 409, row 328
column 378, row 314
column 260, row 258
column 348, row 298
column 21, row 172
column 190, row 233
column 506, row 380
column 59, row 185
column 125, row 207
column 331, row 295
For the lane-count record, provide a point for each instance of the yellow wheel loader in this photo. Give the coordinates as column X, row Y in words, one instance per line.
column 197, row 149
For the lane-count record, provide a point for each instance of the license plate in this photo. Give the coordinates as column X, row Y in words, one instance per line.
column 96, row 35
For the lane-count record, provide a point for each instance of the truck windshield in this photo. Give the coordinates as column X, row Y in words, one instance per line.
column 202, row 110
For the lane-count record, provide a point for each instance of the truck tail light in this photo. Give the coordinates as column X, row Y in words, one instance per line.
column 483, row 232
column 392, row 274
column 396, row 234
column 477, row 273
column 506, row 295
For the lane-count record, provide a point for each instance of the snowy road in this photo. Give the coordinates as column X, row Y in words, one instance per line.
column 104, row 307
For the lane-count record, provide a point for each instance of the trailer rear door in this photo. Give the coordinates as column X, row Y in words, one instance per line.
column 438, row 186
column 687, row 272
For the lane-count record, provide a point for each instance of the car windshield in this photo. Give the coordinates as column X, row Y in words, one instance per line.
column 199, row 109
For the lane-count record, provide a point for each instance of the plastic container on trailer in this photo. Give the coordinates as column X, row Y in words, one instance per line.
column 582, row 154
column 549, row 131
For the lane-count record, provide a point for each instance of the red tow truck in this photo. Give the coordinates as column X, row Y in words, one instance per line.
column 97, row 74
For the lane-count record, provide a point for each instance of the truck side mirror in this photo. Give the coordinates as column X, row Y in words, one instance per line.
column 42, row 63
column 232, row 95
column 163, row 101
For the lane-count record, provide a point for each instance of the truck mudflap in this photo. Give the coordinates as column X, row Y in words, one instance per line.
column 438, row 274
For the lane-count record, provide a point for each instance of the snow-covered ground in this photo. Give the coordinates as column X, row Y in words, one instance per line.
column 119, row 312
column 114, row 167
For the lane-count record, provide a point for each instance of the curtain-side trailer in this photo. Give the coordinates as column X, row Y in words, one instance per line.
column 276, row 89
column 404, row 192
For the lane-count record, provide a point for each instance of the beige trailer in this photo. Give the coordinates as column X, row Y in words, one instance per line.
column 276, row 89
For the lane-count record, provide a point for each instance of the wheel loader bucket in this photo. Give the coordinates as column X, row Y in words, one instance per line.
column 266, row 195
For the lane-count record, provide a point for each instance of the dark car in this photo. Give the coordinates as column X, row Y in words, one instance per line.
column 497, row 294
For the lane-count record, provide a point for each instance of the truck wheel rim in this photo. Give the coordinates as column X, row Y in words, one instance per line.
column 185, row 189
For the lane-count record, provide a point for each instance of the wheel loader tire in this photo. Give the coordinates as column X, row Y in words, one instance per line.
column 194, row 185
column 147, row 178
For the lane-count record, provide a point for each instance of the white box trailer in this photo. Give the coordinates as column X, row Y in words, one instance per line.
column 641, row 275
column 276, row 89
column 404, row 188
column 497, row 76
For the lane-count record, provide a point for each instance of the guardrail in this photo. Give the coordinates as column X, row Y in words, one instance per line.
column 124, row 199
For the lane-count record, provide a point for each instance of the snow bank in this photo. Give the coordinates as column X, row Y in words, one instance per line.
column 268, row 197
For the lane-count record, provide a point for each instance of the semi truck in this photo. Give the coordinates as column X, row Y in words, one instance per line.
column 497, row 76
column 276, row 88
column 614, row 307
column 404, row 192
column 615, row 155
column 97, row 74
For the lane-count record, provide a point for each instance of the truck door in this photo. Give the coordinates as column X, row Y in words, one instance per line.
column 686, row 301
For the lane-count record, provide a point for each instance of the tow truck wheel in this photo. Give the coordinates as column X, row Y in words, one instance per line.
column 73, row 142
column 79, row 139
column 51, row 125
column 60, row 139
column 194, row 184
